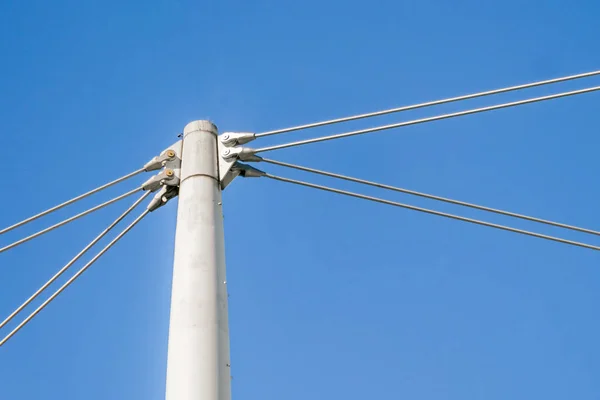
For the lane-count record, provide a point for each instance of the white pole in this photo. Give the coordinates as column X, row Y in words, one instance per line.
column 198, row 359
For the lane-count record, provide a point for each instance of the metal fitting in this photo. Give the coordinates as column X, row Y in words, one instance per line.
column 161, row 161
column 164, row 178
column 236, row 138
column 162, row 197
column 247, row 171
column 240, row 153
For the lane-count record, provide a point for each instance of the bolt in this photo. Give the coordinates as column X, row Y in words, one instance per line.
column 226, row 152
column 170, row 154
column 169, row 172
column 226, row 137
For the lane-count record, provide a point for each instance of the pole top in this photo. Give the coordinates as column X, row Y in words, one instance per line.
column 200, row 125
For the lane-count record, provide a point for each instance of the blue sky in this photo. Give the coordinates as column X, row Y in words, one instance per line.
column 330, row 297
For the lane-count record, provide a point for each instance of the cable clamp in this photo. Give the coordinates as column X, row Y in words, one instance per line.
column 166, row 182
column 230, row 139
column 166, row 177
column 163, row 196
column 240, row 153
column 169, row 158
column 247, row 171
column 228, row 156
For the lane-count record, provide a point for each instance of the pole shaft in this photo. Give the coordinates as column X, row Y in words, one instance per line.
column 198, row 355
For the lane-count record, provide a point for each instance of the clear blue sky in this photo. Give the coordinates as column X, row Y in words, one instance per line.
column 330, row 297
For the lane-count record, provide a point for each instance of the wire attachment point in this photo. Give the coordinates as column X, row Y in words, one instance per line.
column 167, row 177
column 236, row 138
column 167, row 181
column 228, row 157
column 169, row 158
column 247, row 171
column 240, row 153
column 161, row 198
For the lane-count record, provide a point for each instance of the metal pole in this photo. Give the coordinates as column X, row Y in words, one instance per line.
column 198, row 358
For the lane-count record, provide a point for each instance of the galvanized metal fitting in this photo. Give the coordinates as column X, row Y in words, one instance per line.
column 167, row 177
column 236, row 138
column 166, row 157
column 247, row 171
column 161, row 198
column 239, row 153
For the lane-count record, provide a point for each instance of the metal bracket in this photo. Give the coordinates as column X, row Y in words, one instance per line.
column 162, row 197
column 247, row 171
column 166, row 182
column 229, row 152
column 166, row 177
column 168, row 158
column 239, row 153
column 230, row 139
